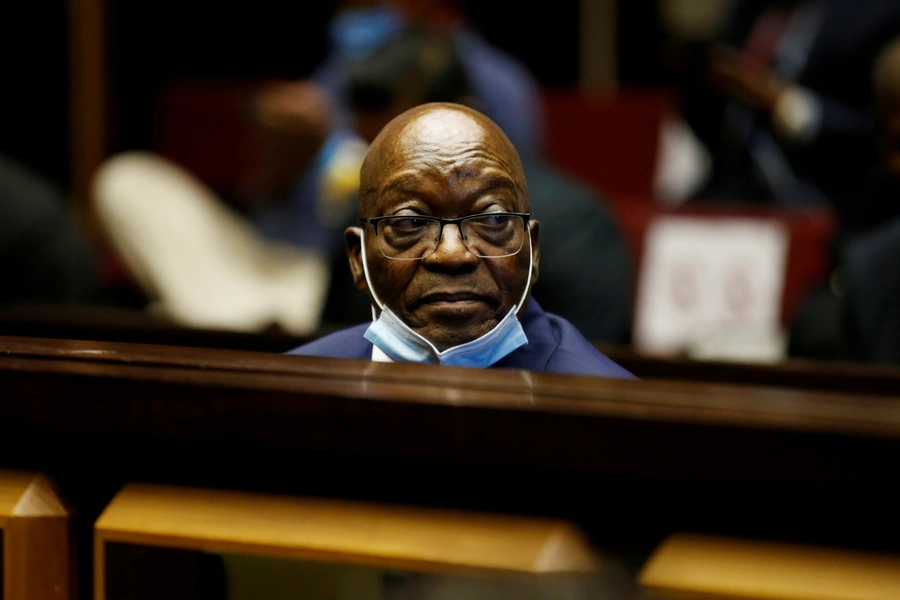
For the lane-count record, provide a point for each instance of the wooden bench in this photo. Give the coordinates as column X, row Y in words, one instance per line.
column 436, row 412
column 37, row 547
column 333, row 531
column 703, row 566
column 628, row 461
column 129, row 326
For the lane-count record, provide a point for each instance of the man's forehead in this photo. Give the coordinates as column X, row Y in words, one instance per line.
column 442, row 128
column 441, row 138
column 449, row 139
column 440, row 143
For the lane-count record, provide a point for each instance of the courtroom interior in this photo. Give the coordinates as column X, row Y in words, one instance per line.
column 646, row 256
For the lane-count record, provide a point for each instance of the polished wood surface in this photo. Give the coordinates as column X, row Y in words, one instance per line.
column 794, row 373
column 701, row 566
column 110, row 324
column 339, row 531
column 133, row 326
column 38, row 559
column 629, row 461
column 441, row 412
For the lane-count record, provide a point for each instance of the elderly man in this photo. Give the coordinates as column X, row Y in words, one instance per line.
column 447, row 252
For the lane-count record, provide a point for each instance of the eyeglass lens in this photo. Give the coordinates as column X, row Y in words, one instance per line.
column 486, row 236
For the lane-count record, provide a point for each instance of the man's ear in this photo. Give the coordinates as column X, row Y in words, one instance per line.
column 535, row 230
column 353, row 241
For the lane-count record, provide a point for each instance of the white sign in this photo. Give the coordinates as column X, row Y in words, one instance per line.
column 712, row 286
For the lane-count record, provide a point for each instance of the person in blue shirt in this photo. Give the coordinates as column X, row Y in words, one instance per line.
column 448, row 251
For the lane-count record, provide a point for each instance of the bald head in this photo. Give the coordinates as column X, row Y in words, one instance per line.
column 431, row 136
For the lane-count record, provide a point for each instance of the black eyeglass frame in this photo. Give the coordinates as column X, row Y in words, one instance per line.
column 458, row 221
column 374, row 221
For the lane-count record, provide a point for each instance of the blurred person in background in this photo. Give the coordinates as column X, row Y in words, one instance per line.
column 43, row 258
column 878, row 201
column 782, row 100
column 309, row 149
column 856, row 315
column 506, row 91
column 871, row 240
column 307, row 166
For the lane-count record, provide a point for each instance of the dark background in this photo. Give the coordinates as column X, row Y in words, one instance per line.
column 154, row 44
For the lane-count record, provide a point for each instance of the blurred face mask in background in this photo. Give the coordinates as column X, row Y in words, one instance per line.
column 356, row 32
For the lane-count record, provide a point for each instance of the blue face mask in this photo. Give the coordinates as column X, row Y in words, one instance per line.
column 400, row 343
column 355, row 33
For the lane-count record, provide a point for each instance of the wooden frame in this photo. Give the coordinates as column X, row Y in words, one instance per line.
column 38, row 549
column 338, row 531
column 504, row 441
column 709, row 431
column 701, row 566
column 89, row 104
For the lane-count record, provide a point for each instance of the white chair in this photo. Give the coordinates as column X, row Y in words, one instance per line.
column 201, row 262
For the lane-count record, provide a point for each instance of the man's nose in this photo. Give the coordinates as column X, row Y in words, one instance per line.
column 451, row 251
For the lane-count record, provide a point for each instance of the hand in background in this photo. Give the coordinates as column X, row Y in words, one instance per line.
column 744, row 79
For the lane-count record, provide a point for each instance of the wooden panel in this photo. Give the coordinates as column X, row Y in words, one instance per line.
column 695, row 566
column 805, row 374
column 636, row 460
column 597, row 44
column 13, row 485
column 331, row 405
column 122, row 325
column 38, row 557
column 519, row 391
column 336, row 531
column 89, row 100
column 132, row 325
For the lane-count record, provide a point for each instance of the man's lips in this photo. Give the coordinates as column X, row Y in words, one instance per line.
column 451, row 298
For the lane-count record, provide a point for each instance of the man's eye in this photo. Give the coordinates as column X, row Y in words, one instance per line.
column 489, row 220
column 409, row 225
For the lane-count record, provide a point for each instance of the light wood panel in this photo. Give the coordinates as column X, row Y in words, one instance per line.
column 88, row 75
column 38, row 556
column 338, row 531
column 598, row 44
column 698, row 566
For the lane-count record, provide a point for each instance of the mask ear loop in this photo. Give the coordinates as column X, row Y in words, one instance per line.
column 530, row 270
column 365, row 262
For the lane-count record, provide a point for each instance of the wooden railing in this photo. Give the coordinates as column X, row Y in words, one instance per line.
column 629, row 461
column 120, row 325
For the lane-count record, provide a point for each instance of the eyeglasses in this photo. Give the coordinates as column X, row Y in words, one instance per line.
column 486, row 235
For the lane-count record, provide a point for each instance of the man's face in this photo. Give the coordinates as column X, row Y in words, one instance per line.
column 444, row 163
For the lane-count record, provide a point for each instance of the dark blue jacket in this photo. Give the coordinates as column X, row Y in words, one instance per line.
column 554, row 346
